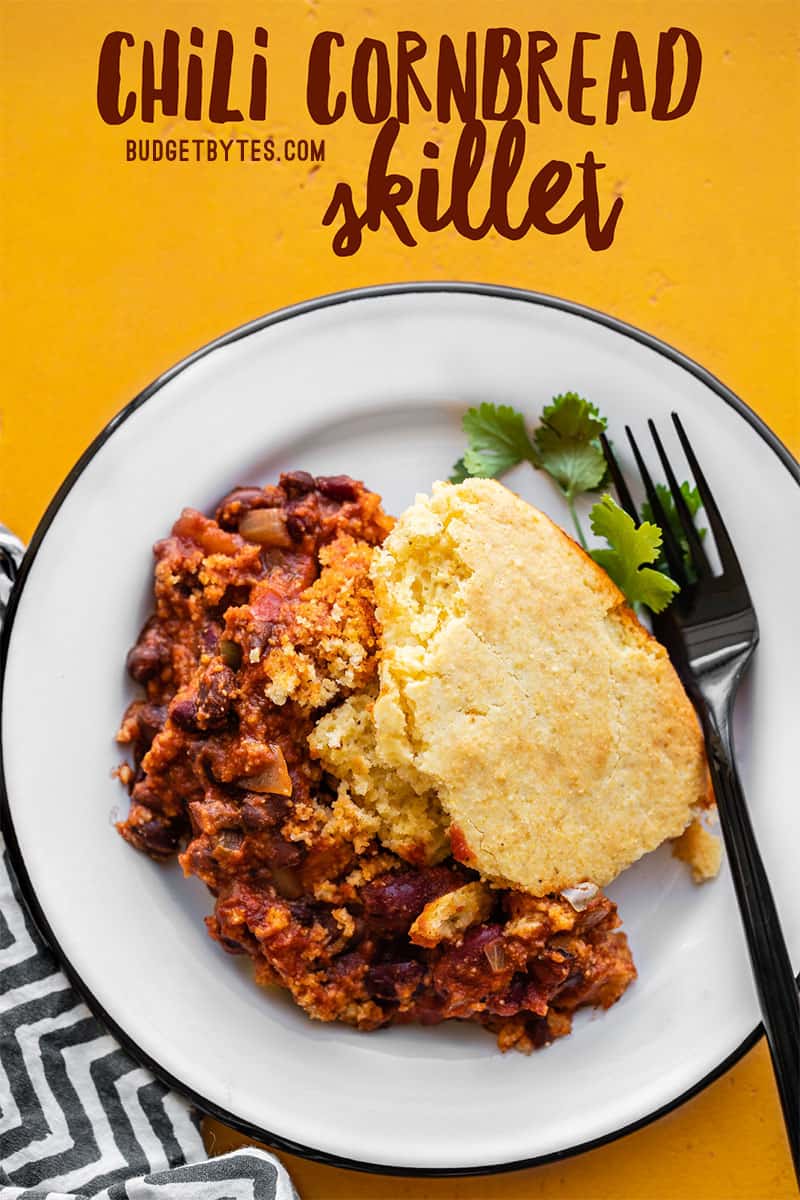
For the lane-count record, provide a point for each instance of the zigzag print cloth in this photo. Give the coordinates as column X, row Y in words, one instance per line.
column 78, row 1117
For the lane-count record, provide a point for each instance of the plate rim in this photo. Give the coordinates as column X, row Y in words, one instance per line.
column 329, row 300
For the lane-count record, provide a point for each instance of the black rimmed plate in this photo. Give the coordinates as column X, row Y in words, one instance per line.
column 373, row 383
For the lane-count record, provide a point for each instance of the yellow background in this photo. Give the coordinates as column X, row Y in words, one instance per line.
column 113, row 271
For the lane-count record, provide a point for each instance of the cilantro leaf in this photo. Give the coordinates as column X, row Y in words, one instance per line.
column 573, row 417
column 631, row 547
column 497, row 441
column 568, row 446
column 459, row 472
column 693, row 503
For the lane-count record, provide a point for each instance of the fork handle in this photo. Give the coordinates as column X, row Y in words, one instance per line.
column 772, row 969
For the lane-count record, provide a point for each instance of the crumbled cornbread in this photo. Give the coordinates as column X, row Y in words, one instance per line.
column 449, row 916
column 328, row 645
column 698, row 847
column 410, row 823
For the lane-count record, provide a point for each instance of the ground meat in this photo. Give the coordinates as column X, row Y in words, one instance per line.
column 249, row 641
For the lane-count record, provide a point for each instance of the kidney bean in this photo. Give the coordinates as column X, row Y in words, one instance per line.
column 465, row 967
column 394, row 980
column 210, row 706
column 337, row 487
column 215, row 696
column 149, row 656
column 396, row 900
column 297, row 483
column 474, row 944
column 150, row 719
column 241, row 500
column 157, row 838
column 281, row 853
column 183, row 713
column 263, row 812
column 296, row 527
column 349, row 964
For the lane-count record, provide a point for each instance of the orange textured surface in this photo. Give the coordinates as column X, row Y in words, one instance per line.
column 113, row 271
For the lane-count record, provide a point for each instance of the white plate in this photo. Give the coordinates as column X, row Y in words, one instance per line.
column 374, row 384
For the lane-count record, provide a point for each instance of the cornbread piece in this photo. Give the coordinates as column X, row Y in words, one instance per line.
column 408, row 822
column 451, row 915
column 517, row 684
column 698, row 847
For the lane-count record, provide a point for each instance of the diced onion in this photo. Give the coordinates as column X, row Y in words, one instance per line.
column 580, row 896
column 274, row 778
column 496, row 955
column 266, row 526
column 230, row 839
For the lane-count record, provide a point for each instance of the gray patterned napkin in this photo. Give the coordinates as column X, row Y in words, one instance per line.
column 78, row 1117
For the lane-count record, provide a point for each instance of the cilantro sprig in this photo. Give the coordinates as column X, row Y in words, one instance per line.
column 631, row 549
column 566, row 446
column 569, row 449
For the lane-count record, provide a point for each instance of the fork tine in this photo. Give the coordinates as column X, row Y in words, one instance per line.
column 672, row 550
column 727, row 554
column 625, row 498
column 696, row 549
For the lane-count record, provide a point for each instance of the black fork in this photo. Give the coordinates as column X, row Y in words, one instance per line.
column 710, row 631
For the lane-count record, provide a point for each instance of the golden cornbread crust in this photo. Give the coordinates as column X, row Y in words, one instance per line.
column 517, row 684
